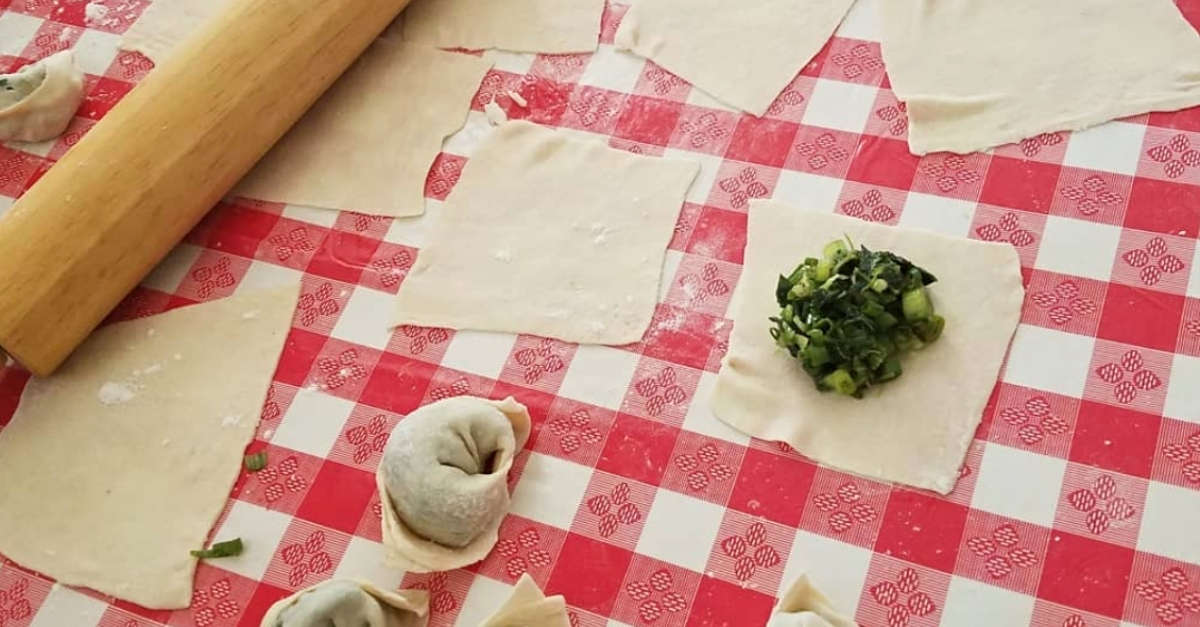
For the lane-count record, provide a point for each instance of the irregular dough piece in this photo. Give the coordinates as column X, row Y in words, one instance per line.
column 118, row 465
column 1052, row 66
column 554, row 235
column 444, row 481
column 529, row 607
column 38, row 102
column 344, row 603
column 743, row 54
column 803, row 605
column 547, row 26
column 165, row 23
column 368, row 143
column 914, row 430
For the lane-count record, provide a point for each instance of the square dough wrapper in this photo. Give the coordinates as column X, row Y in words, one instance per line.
column 742, row 53
column 545, row 26
column 368, row 143
column 914, row 430
column 549, row 235
column 981, row 73
column 116, row 467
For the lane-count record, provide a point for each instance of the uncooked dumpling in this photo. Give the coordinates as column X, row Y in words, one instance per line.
column 443, row 481
column 345, row 603
column 39, row 101
column 527, row 606
column 803, row 605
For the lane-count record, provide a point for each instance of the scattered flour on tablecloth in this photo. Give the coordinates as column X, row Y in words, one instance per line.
column 116, row 393
column 495, row 115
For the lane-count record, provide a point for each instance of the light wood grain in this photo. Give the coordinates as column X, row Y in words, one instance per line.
column 111, row 209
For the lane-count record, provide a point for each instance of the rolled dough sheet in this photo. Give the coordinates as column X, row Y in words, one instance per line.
column 547, row 26
column 550, row 235
column 118, row 465
column 369, row 142
column 914, row 430
column 979, row 73
column 165, row 23
column 804, row 605
column 741, row 53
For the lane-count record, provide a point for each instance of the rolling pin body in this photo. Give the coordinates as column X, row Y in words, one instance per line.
column 100, row 220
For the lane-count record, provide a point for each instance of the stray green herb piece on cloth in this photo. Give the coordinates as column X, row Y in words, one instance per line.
column 850, row 316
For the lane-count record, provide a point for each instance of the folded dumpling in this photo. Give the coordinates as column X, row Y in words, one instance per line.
column 803, row 605
column 528, row 607
column 39, row 101
column 443, row 481
column 346, row 603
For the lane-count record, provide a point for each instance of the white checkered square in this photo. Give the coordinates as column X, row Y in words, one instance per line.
column 479, row 352
column 839, row 568
column 1183, row 396
column 261, row 531
column 1112, row 147
column 514, row 62
column 599, row 375
column 172, row 270
column 1169, row 523
column 1078, row 248
column 1049, row 360
column 843, row 106
column 363, row 560
column 970, row 602
column 550, row 490
column 16, row 31
column 64, row 606
column 482, row 600
column 95, row 51
column 366, row 319
column 1019, row 484
column 862, row 22
column 680, row 530
column 938, row 214
column 268, row 275
column 709, row 167
column 313, row 422
column 613, row 69
column 467, row 139
column 810, row 192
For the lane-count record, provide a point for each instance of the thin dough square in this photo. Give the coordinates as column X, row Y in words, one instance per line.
column 116, row 467
column 549, row 235
column 368, row 143
column 743, row 54
column 545, row 26
column 914, row 430
column 981, row 73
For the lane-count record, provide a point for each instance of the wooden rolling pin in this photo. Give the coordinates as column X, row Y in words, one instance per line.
column 100, row 220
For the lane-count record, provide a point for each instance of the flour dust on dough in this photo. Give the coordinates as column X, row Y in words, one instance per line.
column 38, row 102
column 116, row 467
column 166, row 23
column 978, row 73
column 915, row 430
column 368, row 143
column 540, row 26
column 528, row 606
column 804, row 605
column 743, row 54
column 551, row 235
column 349, row 603
column 443, row 481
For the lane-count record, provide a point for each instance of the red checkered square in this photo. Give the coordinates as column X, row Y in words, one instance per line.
column 870, row 203
column 1141, row 317
column 342, row 256
column 139, row 303
column 536, row 362
column 764, row 141
column 720, row 333
column 593, row 109
column 129, row 66
column 213, row 276
column 307, row 555
column 610, row 21
column 722, row 604
column 363, row 438
column 679, row 336
column 1059, row 301
column 887, row 163
column 655, row 593
column 443, row 175
column 238, row 228
column 1188, row 342
column 321, row 303
column 525, row 547
column 339, row 497
column 738, row 183
column 750, row 552
column 1163, row 591
column 388, row 267
column 1090, row 195
column 561, row 68
column 590, row 573
column 922, row 529
column 1115, row 438
column 447, row 383
column 21, row 595
column 657, row 82
column 956, row 176
column 495, row 86
column 1128, row 376
column 51, row 37
column 1164, row 207
column 637, row 148
column 898, row 593
column 1153, row 261
column 1047, row 613
column 968, row 474
column 1089, row 574
column 704, row 468
column 299, row 352
column 1033, row 420
column 447, row 592
column 1102, row 505
column 685, row 226
column 284, row 484
column 1177, row 456
column 574, row 431
column 342, row 369
column 889, row 117
column 370, row 526
column 637, row 448
column 703, row 285
column 279, row 399
column 793, row 100
column 544, row 99
column 369, row 226
column 1003, row 552
column 647, row 120
column 291, row 244
column 1021, row 230
column 845, row 507
column 398, row 383
column 1170, row 155
column 1046, row 148
column 614, row 510
column 12, row 384
column 102, row 95
column 853, row 61
column 661, row 391
column 704, row 130
column 219, row 598
column 16, row 170
column 823, row 151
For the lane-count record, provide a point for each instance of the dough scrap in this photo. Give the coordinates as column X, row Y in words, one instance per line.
column 443, row 481
column 545, row 26
column 804, row 605
column 743, row 54
column 915, row 430
column 550, row 235
column 111, row 492
column 528, row 606
column 38, row 102
column 1051, row 66
column 369, row 142
column 342, row 602
column 165, row 24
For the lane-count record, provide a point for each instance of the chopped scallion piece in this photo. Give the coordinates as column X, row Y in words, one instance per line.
column 256, row 462
column 228, row 548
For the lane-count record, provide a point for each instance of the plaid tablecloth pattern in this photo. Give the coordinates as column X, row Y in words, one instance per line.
column 1079, row 503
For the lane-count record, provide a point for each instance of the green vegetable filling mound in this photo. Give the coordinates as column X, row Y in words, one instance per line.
column 850, row 316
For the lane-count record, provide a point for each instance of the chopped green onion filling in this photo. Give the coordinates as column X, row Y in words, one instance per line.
column 228, row 548
column 256, row 462
column 849, row 316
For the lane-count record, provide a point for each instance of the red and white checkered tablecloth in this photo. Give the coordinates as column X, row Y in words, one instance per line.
column 1080, row 500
